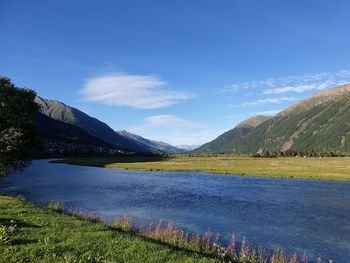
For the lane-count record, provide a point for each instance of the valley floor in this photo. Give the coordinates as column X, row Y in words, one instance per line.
column 32, row 234
column 311, row 168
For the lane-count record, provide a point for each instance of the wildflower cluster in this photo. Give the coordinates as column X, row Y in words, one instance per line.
column 206, row 244
column 174, row 236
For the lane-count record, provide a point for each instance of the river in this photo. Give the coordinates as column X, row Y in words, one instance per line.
column 307, row 216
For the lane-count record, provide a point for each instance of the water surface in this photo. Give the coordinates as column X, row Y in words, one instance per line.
column 297, row 215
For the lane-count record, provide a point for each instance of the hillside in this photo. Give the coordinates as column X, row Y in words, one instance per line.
column 318, row 123
column 61, row 112
column 153, row 146
column 59, row 136
column 225, row 142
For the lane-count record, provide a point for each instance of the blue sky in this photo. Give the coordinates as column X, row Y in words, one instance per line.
column 178, row 71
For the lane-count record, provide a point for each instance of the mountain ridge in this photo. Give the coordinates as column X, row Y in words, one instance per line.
column 320, row 122
column 56, row 137
column 59, row 111
column 154, row 146
column 224, row 143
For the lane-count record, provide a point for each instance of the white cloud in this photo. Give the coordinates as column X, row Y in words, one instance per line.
column 175, row 130
column 268, row 101
column 170, row 121
column 299, row 89
column 195, row 137
column 294, row 84
column 143, row 92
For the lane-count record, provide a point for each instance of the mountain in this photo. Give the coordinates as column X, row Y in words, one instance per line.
column 187, row 148
column 63, row 113
column 152, row 146
column 318, row 123
column 253, row 122
column 225, row 142
column 56, row 137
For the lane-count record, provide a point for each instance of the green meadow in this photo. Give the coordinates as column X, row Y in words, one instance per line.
column 336, row 168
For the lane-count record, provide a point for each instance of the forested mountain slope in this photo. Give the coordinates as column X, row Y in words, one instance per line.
column 318, row 123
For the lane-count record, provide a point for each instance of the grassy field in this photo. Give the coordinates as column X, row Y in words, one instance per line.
column 312, row 168
column 32, row 234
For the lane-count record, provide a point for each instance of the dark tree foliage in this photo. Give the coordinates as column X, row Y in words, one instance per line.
column 17, row 110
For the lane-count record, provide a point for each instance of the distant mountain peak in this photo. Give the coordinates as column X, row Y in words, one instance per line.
column 188, row 147
column 152, row 145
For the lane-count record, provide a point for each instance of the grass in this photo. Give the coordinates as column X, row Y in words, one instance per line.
column 32, row 234
column 337, row 168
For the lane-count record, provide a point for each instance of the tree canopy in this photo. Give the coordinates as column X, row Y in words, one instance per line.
column 17, row 110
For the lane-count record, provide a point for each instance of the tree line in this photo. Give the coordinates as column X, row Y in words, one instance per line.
column 293, row 153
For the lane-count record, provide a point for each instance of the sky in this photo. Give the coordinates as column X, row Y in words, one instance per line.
column 179, row 71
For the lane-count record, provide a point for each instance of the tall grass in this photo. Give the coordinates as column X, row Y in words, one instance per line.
column 207, row 244
column 56, row 206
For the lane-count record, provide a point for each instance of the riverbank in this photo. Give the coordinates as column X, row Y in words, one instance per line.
column 32, row 234
column 337, row 168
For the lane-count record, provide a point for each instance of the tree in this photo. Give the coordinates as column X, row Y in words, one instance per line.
column 266, row 154
column 17, row 110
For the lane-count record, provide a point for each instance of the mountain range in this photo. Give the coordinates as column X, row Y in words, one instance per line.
column 57, row 122
column 152, row 146
column 59, row 137
column 188, row 147
column 320, row 122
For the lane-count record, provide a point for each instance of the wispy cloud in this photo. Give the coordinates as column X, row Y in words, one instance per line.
column 268, row 101
column 298, row 89
column 170, row 121
column 143, row 92
column 175, row 130
column 294, row 84
column 196, row 137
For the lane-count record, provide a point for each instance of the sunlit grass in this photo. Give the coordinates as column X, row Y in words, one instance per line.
column 312, row 168
column 32, row 234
